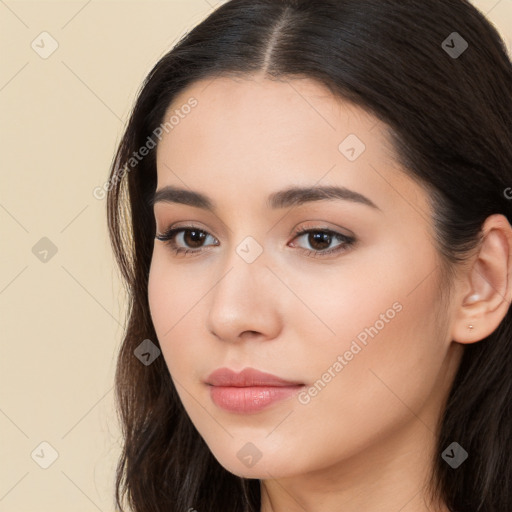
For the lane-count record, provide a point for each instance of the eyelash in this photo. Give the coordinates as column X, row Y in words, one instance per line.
column 169, row 236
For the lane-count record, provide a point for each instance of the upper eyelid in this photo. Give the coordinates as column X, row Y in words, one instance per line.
column 315, row 227
column 174, row 230
column 298, row 231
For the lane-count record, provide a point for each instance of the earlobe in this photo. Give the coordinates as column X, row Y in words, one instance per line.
column 488, row 279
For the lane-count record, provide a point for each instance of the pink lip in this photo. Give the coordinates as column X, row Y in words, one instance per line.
column 248, row 391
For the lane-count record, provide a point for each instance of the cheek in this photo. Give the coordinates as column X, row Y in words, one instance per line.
column 159, row 299
column 373, row 294
column 174, row 300
column 171, row 293
column 380, row 339
column 376, row 386
column 387, row 354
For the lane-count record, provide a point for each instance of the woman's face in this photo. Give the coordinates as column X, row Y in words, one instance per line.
column 348, row 314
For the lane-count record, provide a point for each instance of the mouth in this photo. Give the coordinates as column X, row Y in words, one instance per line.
column 248, row 391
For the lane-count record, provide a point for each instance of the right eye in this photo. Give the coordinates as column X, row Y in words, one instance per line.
column 185, row 239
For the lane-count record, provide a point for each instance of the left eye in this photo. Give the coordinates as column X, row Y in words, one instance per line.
column 191, row 240
column 319, row 240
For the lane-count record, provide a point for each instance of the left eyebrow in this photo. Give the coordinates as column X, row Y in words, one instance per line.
column 293, row 196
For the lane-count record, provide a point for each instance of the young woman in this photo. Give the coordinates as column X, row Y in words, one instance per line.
column 310, row 207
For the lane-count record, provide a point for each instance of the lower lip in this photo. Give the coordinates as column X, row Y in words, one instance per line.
column 250, row 399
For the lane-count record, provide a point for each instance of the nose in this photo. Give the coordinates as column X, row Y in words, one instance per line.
column 245, row 301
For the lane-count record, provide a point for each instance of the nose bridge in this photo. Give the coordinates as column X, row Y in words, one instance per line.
column 245, row 265
column 242, row 299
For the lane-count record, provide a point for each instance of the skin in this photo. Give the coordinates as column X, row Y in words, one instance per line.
column 365, row 442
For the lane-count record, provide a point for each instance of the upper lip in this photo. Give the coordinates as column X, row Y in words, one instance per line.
column 246, row 378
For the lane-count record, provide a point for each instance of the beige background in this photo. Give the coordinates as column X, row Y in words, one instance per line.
column 61, row 118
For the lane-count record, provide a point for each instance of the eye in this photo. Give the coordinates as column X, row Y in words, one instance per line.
column 190, row 240
column 191, row 236
column 321, row 239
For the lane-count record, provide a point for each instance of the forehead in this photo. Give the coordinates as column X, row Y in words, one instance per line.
column 263, row 135
column 302, row 106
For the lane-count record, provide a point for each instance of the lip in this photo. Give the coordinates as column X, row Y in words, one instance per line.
column 249, row 390
column 246, row 378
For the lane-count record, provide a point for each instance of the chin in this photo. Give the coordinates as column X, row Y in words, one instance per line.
column 264, row 468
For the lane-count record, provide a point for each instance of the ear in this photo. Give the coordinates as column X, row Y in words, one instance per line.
column 485, row 288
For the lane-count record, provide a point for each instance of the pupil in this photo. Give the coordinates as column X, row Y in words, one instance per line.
column 194, row 238
column 323, row 238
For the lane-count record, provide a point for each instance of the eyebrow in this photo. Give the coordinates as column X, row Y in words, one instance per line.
column 293, row 196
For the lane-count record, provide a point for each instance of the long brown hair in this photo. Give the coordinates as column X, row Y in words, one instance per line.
column 437, row 73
